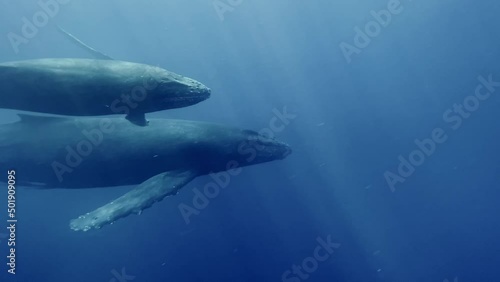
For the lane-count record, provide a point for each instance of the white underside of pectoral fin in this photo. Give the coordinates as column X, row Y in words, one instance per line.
column 141, row 197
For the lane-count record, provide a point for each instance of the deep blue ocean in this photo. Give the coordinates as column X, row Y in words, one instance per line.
column 391, row 111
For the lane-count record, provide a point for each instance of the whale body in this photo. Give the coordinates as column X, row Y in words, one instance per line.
column 88, row 87
column 65, row 152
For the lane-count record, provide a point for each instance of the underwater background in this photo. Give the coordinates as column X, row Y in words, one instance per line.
column 355, row 103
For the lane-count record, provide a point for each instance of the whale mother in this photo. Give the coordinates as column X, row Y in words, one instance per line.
column 88, row 87
column 64, row 152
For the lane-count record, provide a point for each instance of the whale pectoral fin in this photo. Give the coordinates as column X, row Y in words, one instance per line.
column 92, row 51
column 142, row 197
column 137, row 119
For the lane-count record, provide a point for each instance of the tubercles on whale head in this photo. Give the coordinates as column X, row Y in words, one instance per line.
column 259, row 148
column 228, row 148
column 171, row 90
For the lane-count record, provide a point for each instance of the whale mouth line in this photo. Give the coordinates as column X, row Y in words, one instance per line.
column 198, row 98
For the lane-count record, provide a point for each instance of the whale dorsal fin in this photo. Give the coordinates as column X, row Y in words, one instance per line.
column 33, row 118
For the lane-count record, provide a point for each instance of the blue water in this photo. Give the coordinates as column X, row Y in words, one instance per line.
column 352, row 120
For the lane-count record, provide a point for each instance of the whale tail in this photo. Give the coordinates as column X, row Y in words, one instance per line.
column 92, row 51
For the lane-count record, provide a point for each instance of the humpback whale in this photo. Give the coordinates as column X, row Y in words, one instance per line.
column 161, row 158
column 88, row 87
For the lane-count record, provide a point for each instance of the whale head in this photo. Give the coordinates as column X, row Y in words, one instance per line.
column 171, row 90
column 258, row 148
column 227, row 147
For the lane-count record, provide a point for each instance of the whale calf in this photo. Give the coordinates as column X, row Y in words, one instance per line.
column 89, row 87
column 80, row 152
